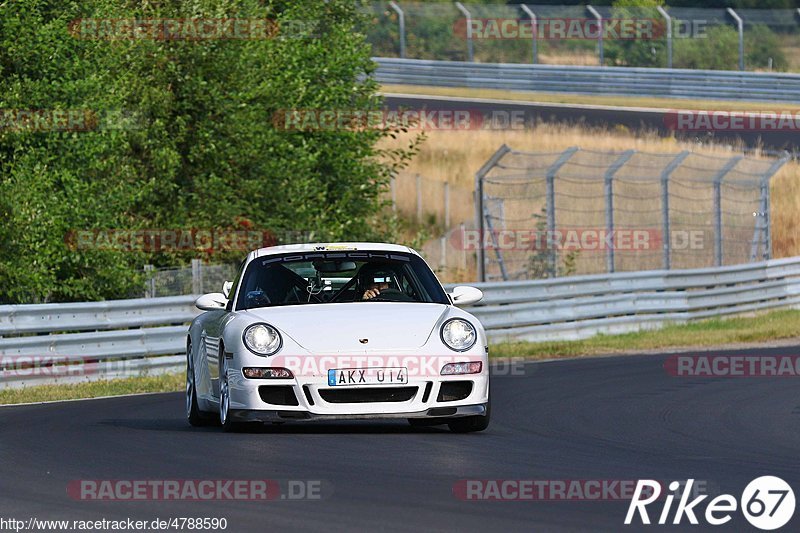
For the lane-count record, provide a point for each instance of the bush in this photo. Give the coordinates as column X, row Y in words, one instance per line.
column 185, row 138
column 719, row 50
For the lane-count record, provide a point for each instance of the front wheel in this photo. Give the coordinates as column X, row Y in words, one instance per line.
column 470, row 424
column 225, row 418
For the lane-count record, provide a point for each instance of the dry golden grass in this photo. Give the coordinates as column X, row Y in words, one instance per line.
column 455, row 156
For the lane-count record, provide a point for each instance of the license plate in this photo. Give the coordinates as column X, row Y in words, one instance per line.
column 342, row 377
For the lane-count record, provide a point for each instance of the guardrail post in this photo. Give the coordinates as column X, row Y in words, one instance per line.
column 550, row 199
column 609, row 194
column 599, row 18
column 150, row 288
column 479, row 207
column 468, row 16
column 668, row 20
column 197, row 276
column 718, row 207
column 740, row 26
column 401, row 21
column 666, row 236
column 534, row 32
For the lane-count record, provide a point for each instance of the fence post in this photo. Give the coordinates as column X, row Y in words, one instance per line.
column 534, row 30
column 666, row 237
column 740, row 27
column 599, row 18
column 468, row 16
column 668, row 19
column 150, row 288
column 419, row 199
column 462, row 228
column 197, row 276
column 718, row 207
column 443, row 251
column 393, row 190
column 401, row 21
column 608, row 181
column 446, row 206
column 479, row 212
column 765, row 217
column 550, row 202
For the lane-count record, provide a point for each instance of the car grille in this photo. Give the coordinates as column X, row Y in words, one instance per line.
column 368, row 395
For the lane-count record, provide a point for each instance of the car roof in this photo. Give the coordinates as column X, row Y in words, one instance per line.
column 333, row 247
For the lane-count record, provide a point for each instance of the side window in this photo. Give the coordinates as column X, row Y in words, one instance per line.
column 235, row 287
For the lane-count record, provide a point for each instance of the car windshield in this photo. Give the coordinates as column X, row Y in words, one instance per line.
column 338, row 277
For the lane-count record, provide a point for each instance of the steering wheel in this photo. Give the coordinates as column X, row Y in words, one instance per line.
column 391, row 295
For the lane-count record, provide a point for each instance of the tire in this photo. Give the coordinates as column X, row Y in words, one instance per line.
column 471, row 424
column 194, row 415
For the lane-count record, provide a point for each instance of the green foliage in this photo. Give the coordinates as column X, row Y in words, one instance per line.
column 185, row 137
column 719, row 50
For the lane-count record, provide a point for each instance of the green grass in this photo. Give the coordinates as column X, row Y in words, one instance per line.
column 93, row 389
column 763, row 327
column 602, row 100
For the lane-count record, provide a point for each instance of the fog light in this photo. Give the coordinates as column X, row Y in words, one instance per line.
column 452, row 369
column 267, row 373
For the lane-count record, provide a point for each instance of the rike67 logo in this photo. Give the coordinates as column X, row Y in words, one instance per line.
column 767, row 503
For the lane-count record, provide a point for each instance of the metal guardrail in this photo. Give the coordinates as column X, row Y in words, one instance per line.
column 582, row 306
column 656, row 82
column 87, row 341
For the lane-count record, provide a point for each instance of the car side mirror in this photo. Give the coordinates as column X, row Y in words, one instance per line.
column 226, row 289
column 211, row 302
column 465, row 295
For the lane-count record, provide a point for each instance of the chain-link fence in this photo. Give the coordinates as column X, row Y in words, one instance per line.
column 585, row 211
column 679, row 37
column 197, row 279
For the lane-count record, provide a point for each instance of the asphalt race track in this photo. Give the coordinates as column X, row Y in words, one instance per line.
column 618, row 418
column 635, row 119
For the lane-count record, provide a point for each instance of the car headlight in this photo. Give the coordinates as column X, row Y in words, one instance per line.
column 458, row 334
column 262, row 339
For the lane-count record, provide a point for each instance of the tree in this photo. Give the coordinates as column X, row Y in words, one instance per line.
column 180, row 135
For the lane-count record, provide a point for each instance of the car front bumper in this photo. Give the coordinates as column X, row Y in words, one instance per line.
column 312, row 398
column 262, row 415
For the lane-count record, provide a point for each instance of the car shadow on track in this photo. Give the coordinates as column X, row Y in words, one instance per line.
column 323, row 428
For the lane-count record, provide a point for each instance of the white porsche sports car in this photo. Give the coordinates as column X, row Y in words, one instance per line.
column 337, row 331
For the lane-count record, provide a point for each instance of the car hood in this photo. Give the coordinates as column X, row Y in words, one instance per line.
column 336, row 328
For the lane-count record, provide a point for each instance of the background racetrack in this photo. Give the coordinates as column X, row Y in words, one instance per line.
column 602, row 418
column 635, row 119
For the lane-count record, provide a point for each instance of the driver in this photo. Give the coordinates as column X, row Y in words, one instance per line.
column 373, row 279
